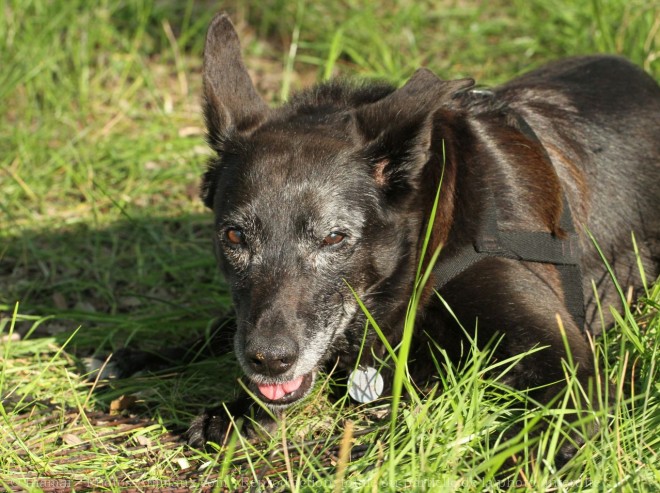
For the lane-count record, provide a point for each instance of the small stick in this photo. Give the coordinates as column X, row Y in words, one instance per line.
column 344, row 456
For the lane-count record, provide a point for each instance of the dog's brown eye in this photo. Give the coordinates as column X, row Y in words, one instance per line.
column 333, row 238
column 234, row 236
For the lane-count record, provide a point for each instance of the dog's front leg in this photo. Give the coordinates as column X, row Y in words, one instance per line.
column 520, row 310
column 218, row 423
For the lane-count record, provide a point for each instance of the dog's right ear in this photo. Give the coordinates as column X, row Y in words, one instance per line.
column 232, row 106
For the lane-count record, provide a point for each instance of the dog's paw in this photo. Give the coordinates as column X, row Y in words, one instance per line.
column 129, row 361
column 217, row 424
column 213, row 425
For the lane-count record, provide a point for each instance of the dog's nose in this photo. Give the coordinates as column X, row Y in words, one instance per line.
column 272, row 357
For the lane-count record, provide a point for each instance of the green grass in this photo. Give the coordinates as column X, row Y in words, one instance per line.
column 103, row 243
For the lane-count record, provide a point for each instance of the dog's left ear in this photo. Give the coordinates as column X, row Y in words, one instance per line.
column 232, row 106
column 397, row 130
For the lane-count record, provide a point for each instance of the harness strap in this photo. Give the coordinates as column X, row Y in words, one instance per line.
column 527, row 246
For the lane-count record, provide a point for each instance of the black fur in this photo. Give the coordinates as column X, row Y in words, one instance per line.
column 362, row 163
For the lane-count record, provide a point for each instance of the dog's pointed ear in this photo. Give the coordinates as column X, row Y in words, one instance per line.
column 397, row 130
column 232, row 106
column 231, row 103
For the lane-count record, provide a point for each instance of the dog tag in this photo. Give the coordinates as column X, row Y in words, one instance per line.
column 365, row 384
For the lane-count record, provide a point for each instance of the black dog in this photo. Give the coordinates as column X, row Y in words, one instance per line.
column 328, row 199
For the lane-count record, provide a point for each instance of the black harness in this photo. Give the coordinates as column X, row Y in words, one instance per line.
column 527, row 246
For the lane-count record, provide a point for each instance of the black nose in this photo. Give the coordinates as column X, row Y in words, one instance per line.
column 271, row 356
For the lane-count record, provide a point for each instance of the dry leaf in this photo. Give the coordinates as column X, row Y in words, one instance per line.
column 15, row 336
column 142, row 440
column 71, row 439
column 124, row 402
column 60, row 301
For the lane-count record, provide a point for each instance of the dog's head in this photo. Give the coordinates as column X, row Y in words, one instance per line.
column 315, row 203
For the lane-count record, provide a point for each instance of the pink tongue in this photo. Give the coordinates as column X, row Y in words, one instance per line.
column 279, row 390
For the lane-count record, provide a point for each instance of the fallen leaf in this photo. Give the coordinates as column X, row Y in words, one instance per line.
column 123, row 403
column 71, row 439
column 144, row 441
column 15, row 336
column 60, row 301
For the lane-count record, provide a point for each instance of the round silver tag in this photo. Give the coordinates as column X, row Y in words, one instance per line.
column 365, row 384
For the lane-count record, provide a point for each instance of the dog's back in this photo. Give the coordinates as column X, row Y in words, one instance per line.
column 599, row 119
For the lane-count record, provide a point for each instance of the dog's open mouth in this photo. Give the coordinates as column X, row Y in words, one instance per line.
column 285, row 392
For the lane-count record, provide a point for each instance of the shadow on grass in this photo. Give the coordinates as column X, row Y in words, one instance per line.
column 142, row 283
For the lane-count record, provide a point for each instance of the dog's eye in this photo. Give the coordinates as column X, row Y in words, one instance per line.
column 235, row 236
column 334, row 238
